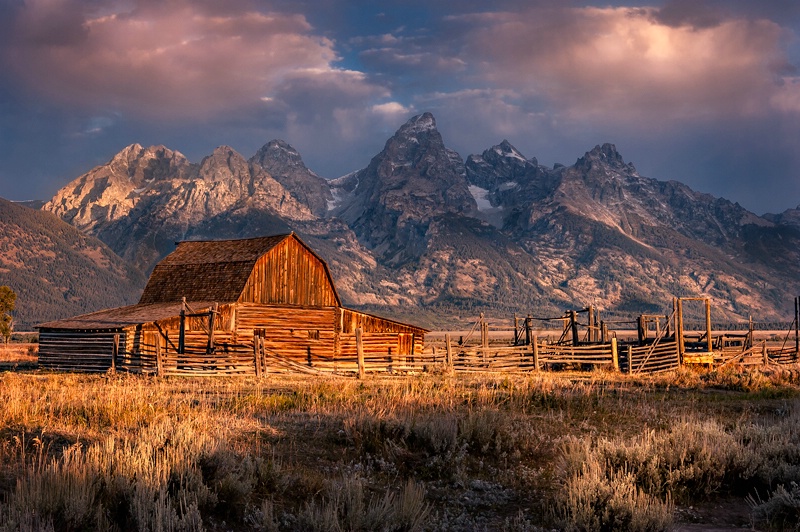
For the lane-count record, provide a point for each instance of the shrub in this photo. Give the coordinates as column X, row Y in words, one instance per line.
column 781, row 511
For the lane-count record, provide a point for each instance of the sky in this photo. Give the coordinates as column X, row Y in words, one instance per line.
column 706, row 92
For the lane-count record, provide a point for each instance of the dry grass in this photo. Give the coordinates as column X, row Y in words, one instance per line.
column 18, row 356
column 584, row 452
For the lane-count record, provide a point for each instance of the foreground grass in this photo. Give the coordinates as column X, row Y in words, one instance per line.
column 596, row 452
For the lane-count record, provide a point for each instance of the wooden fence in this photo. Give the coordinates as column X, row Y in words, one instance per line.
column 256, row 357
column 758, row 355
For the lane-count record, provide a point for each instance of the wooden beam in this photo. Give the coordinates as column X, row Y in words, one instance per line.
column 257, row 354
column 529, row 330
column 212, row 314
column 449, row 353
column 573, row 322
column 182, row 331
column 709, row 340
column 159, row 360
column 115, row 353
column 796, row 328
column 615, row 353
column 360, row 353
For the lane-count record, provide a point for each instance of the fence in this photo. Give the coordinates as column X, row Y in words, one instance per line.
column 254, row 358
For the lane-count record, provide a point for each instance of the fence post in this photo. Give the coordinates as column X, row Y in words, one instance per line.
column 615, row 354
column 182, row 331
column 257, row 354
column 212, row 315
column 360, row 352
column 159, row 362
column 535, row 346
column 708, row 326
column 679, row 327
column 630, row 360
column 573, row 322
column 114, row 353
column 764, row 352
column 796, row 328
column 449, row 354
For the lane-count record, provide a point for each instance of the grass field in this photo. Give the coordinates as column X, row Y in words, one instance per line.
column 599, row 451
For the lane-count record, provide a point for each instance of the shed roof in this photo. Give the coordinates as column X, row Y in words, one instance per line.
column 119, row 318
column 209, row 270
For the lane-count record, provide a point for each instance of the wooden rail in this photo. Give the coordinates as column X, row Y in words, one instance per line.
column 254, row 356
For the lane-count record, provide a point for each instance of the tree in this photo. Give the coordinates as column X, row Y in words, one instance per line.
column 8, row 300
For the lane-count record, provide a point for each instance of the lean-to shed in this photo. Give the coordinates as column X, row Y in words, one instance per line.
column 230, row 306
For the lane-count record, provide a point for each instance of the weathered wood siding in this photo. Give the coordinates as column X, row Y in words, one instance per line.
column 387, row 344
column 290, row 274
column 303, row 334
column 89, row 351
column 353, row 319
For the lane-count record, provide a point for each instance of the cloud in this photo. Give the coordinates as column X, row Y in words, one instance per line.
column 162, row 60
column 629, row 64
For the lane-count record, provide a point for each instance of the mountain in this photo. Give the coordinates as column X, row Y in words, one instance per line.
column 790, row 217
column 57, row 270
column 605, row 234
column 144, row 199
column 421, row 229
column 405, row 188
column 286, row 165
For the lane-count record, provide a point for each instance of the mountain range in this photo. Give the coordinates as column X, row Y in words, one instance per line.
column 421, row 232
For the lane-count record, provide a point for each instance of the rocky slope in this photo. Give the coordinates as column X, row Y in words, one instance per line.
column 421, row 228
column 286, row 165
column 57, row 270
column 144, row 199
column 602, row 233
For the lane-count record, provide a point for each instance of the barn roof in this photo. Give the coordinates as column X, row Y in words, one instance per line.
column 210, row 270
column 119, row 318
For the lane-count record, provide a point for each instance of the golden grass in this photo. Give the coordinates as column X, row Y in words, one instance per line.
column 596, row 451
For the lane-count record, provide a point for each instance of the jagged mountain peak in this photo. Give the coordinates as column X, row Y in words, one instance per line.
column 144, row 165
column 606, row 154
column 506, row 149
column 418, row 124
column 419, row 222
column 127, row 153
column 277, row 150
column 224, row 163
column 286, row 166
column 413, row 181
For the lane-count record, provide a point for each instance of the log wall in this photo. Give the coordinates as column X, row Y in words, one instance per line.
column 85, row 351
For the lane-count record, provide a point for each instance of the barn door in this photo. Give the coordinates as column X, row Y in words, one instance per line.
column 405, row 348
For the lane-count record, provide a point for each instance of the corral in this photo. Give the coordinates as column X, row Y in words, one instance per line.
column 225, row 307
column 269, row 305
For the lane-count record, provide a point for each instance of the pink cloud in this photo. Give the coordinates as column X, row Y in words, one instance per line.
column 162, row 60
column 623, row 64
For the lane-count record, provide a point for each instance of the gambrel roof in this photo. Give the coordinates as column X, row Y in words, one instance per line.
column 228, row 271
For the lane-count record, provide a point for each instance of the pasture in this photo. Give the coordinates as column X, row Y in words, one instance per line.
column 688, row 449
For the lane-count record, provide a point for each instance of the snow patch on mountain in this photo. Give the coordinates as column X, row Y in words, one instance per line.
column 487, row 212
column 481, row 196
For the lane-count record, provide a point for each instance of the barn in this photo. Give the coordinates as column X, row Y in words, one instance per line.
column 245, row 306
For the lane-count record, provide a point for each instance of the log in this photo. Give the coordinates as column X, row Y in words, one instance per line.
column 360, row 351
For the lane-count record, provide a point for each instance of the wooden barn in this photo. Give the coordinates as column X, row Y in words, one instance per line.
column 232, row 307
